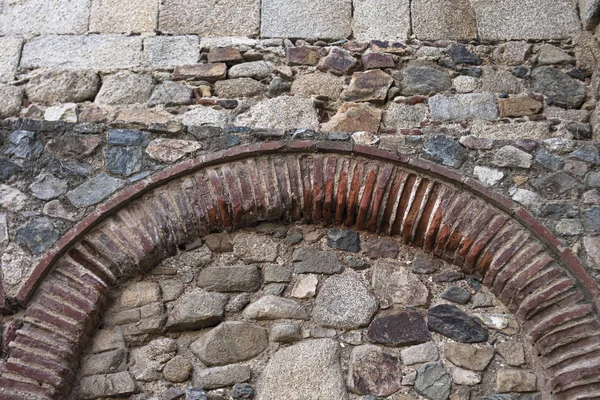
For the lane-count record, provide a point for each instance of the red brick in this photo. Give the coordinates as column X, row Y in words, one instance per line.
column 572, row 353
column 383, row 181
column 482, row 240
column 274, row 206
column 576, row 374
column 301, row 146
column 580, row 273
column 342, row 191
column 39, row 337
column 415, row 209
column 451, row 215
column 334, row 147
column 552, row 289
column 34, row 359
column 295, row 187
column 142, row 215
column 328, row 200
column 397, row 184
column 149, row 246
column 425, row 219
column 172, row 225
column 523, row 257
column 429, row 240
column 537, row 227
column 259, row 194
column 503, row 255
column 355, row 185
column 62, row 308
column 504, row 203
column 545, row 276
column 10, row 332
column 284, row 189
column 522, row 275
column 69, row 329
column 247, row 196
column 380, row 154
column 35, row 374
column 81, row 301
column 508, row 233
column 366, row 197
column 478, row 226
column 585, row 390
column 184, row 210
column 567, row 334
column 465, row 220
column 538, row 328
column 307, row 192
column 103, row 274
column 234, row 196
column 70, row 268
column 404, row 203
column 216, row 187
column 28, row 390
column 318, row 188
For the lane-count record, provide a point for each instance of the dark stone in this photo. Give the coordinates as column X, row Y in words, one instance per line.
column 380, row 247
column 401, row 329
column 457, row 295
column 311, row 261
column 78, row 146
column 549, row 161
column 355, row 263
column 39, row 235
column 203, row 132
column 450, row 321
column 126, row 137
column 227, row 55
column 8, row 169
column 89, row 128
column 580, row 131
column 497, row 397
column 337, row 136
column 473, row 282
column 592, row 219
column 557, row 211
column 475, row 72
column 340, row 59
column 433, row 382
column 588, row 153
column 374, row 371
column 195, row 394
column 69, row 168
column 527, row 144
column 377, row 61
column 95, row 190
column 225, row 141
column 273, row 229
column 576, row 73
column 343, row 239
column 240, row 130
column 278, row 86
column 293, row 236
column 592, row 179
column 424, row 78
column 303, row 55
column 124, row 161
column 555, row 183
column 461, row 55
column 424, row 264
column 445, row 150
column 564, row 90
column 242, row 391
column 173, row 394
column 24, row 144
column 448, row 276
column 520, row 71
column 384, row 46
column 303, row 133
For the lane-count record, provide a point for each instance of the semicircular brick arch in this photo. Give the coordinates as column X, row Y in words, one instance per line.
column 326, row 183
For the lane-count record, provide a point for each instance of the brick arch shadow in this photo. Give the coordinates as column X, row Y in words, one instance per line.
column 327, row 183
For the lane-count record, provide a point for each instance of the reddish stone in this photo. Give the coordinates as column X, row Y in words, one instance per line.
column 77, row 146
column 400, row 329
column 302, row 55
column 377, row 61
column 353, row 193
column 368, row 86
column 519, row 106
column 205, row 72
column 379, row 247
column 224, row 55
column 354, row 117
column 340, row 59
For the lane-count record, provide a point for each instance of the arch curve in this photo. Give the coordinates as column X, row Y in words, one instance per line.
column 327, row 183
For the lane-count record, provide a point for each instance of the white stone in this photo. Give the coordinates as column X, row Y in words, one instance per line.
column 82, row 52
column 66, row 112
column 464, row 84
column 305, row 287
column 488, row 176
column 200, row 116
column 465, row 377
column 230, row 41
column 3, row 229
column 11, row 199
column 525, row 197
column 171, row 150
column 392, row 280
column 125, row 87
column 170, row 51
column 283, row 112
column 43, row 17
column 46, row 186
column 592, row 247
column 463, row 106
column 569, row 227
column 118, row 16
column 512, row 131
column 365, row 138
column 10, row 48
column 404, row 116
column 11, row 99
column 510, row 156
column 15, row 265
column 306, row 19
column 381, row 19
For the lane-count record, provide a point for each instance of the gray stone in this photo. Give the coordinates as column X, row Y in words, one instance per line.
column 499, row 81
column 126, row 137
column 344, row 302
column 380, row 247
column 512, row 53
column 124, row 161
column 587, row 152
column 372, row 370
column 95, row 190
column 512, row 352
column 384, row 20
column 171, row 93
column 139, row 294
column 468, row 356
column 171, row 51
column 46, row 186
column 424, row 78
column 206, row 18
column 8, row 169
column 177, row 370
column 558, row 210
column 230, row 342
column 218, row 377
column 509, row 156
column 463, row 106
column 82, row 52
column 343, row 239
column 461, row 55
column 536, row 19
column 557, row 182
column 592, row 219
column 450, row 321
column 433, row 382
column 548, row 160
column 11, row 198
column 588, row 10
column 552, row 55
column 271, row 307
column 38, row 236
column 557, row 85
column 392, row 280
column 253, row 248
column 309, row 260
column 276, row 273
column 525, row 197
column 11, row 99
column 515, row 380
column 3, row 229
column 448, row 20
column 445, row 150
column 309, row 370
column 399, row 329
column 104, row 363
column 257, row 70
column 10, row 48
column 205, row 116
column 286, row 333
column 569, row 227
column 456, row 294
column 419, row 354
column 113, row 16
column 62, row 86
column 240, row 87
column 125, row 87
column 119, row 384
column 301, row 19
column 317, row 83
column 171, row 289
column 244, row 278
column 403, row 116
column 195, row 310
column 283, row 112
column 195, row 394
column 23, row 17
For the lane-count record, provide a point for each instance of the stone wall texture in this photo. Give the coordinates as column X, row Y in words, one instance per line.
column 132, row 133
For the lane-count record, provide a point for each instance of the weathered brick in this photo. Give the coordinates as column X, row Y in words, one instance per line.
column 366, row 197
column 379, row 193
column 542, row 296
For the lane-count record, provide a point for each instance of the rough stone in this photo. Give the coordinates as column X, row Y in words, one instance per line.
column 171, row 289
column 456, row 294
column 244, row 278
column 318, row 84
column 392, row 280
column 309, row 370
column 62, row 86
column 303, row 55
column 11, row 99
column 488, row 176
column 242, row 391
column 82, row 52
column 171, row 51
column 525, row 197
column 464, row 84
column 282, row 112
column 177, row 369
column 104, row 363
column 592, row 219
column 119, row 384
column 519, row 106
column 424, row 78
column 39, row 235
column 305, row 286
column 218, row 377
column 552, row 55
column 207, row 19
column 371, row 85
column 465, row 377
column 509, row 156
column 95, row 190
column 171, row 150
column 354, row 117
column 78, row 146
column 448, row 20
column 377, row 61
column 240, row 87
column 569, row 227
column 340, row 60
column 463, row 106
column 273, row 307
column 403, row 116
column 450, row 321
column 286, row 333
column 548, row 160
column 8, row 169
column 65, row 112
column 257, row 70
column 123, row 161
column 22, row 18
column 46, row 186
column 210, row 72
column 171, row 93
column 195, row 310
column 205, row 116
column 113, row 16
column 10, row 48
column 512, row 53
column 373, row 371
column 193, row 394
column 308, row 260
column 445, row 150
column 557, row 85
column 512, row 352
column 254, row 248
column 380, row 247
column 557, row 182
column 588, row 152
column 419, row 354
column 499, row 81
column 384, row 20
column 468, row 356
column 433, row 382
column 125, row 87
column 11, row 198
column 343, row 239
column 399, row 329
column 230, row 342
column 514, row 380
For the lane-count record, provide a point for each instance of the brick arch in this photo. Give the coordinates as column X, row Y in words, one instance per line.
column 325, row 183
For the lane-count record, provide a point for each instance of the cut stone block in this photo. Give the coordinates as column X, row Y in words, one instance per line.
column 170, row 51
column 526, row 19
column 381, row 19
column 117, row 16
column 82, row 52
column 210, row 18
column 43, row 17
column 10, row 48
column 443, row 19
column 306, row 19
